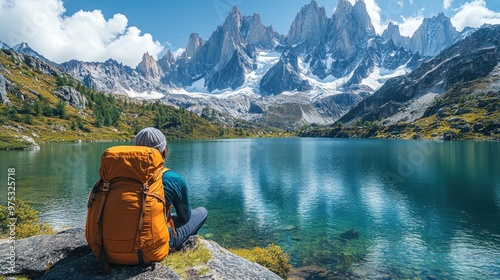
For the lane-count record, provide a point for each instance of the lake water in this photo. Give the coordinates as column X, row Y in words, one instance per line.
column 421, row 208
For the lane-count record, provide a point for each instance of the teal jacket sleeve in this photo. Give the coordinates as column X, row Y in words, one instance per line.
column 176, row 193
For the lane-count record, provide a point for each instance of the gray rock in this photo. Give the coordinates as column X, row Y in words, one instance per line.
column 87, row 267
column 149, row 67
column 34, row 255
column 226, row 265
column 478, row 127
column 461, row 111
column 284, row 76
column 67, row 253
column 441, row 113
column 465, row 129
column 3, row 93
column 456, row 120
column 73, row 96
column 449, row 136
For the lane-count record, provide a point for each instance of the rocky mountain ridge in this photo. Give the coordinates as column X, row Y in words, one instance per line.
column 474, row 57
column 455, row 95
column 246, row 63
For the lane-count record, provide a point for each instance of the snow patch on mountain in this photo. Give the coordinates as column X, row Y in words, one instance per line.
column 380, row 75
column 149, row 95
column 264, row 62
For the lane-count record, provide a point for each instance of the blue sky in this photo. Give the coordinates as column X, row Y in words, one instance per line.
column 96, row 30
column 171, row 22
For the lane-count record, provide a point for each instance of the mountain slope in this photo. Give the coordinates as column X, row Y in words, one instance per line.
column 469, row 59
column 40, row 103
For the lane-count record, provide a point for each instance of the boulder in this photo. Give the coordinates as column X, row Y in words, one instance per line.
column 478, row 127
column 3, row 93
column 449, row 136
column 73, row 96
column 461, row 111
column 67, row 253
column 465, row 129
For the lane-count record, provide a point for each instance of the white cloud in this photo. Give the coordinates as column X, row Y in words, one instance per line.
column 474, row 14
column 86, row 36
column 447, row 4
column 374, row 12
column 178, row 52
column 409, row 25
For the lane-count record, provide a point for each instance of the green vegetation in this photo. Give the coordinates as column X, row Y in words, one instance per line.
column 16, row 277
column 27, row 221
column 196, row 258
column 36, row 111
column 272, row 257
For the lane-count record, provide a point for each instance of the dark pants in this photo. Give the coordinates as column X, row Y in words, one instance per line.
column 198, row 217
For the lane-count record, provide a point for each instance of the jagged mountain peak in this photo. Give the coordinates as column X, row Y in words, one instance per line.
column 309, row 26
column 343, row 5
column 284, row 76
column 24, row 48
column 392, row 33
column 194, row 44
column 149, row 66
column 433, row 35
column 350, row 29
column 3, row 45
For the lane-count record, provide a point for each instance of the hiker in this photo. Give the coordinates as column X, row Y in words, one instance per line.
column 187, row 222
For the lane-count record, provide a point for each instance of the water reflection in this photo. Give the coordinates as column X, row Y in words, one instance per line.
column 421, row 209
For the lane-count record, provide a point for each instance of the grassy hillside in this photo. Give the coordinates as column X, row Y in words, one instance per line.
column 36, row 112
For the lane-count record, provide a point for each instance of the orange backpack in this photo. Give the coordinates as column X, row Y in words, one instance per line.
column 127, row 221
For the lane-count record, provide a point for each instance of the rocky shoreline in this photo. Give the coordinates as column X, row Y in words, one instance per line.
column 67, row 253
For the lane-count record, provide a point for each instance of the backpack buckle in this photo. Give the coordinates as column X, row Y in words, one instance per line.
column 145, row 186
column 105, row 187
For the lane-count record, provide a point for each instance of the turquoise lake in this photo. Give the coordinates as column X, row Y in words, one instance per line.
column 421, row 209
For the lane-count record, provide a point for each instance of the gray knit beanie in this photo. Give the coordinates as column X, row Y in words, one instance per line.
column 151, row 137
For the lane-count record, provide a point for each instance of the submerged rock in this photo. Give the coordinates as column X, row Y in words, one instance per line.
column 350, row 235
column 309, row 273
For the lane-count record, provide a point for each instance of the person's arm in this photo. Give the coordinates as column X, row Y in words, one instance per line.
column 176, row 193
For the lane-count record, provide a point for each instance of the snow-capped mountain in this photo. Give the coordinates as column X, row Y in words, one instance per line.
column 245, row 65
column 474, row 57
column 223, row 61
column 24, row 48
column 3, row 45
column 111, row 76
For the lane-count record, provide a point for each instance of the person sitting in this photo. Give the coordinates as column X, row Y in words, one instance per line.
column 187, row 222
